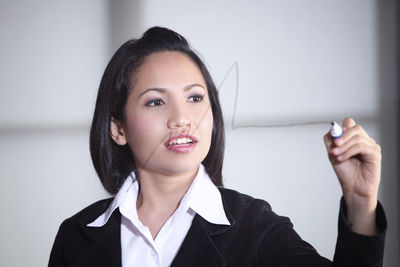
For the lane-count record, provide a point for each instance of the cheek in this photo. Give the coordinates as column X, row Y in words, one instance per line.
column 143, row 131
column 205, row 127
column 206, row 124
column 210, row 121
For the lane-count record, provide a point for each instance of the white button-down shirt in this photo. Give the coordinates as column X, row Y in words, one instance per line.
column 137, row 245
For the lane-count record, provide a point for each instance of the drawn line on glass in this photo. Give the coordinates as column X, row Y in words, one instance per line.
column 234, row 125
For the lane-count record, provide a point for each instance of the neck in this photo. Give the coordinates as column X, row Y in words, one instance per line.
column 162, row 193
column 159, row 196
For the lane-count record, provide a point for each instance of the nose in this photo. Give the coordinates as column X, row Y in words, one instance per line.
column 179, row 118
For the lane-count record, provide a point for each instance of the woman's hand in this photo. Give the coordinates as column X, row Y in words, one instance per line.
column 356, row 159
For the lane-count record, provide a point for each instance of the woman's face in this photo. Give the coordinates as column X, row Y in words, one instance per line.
column 168, row 115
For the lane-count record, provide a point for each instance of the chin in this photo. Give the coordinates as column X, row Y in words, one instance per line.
column 181, row 167
column 172, row 165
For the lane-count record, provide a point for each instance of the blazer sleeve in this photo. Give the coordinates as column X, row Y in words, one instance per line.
column 282, row 246
column 353, row 249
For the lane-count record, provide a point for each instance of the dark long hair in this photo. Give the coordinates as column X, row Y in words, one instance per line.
column 113, row 162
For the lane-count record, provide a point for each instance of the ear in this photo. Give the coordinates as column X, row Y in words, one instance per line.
column 117, row 132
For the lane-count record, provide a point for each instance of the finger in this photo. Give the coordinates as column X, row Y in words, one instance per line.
column 348, row 123
column 328, row 140
column 350, row 133
column 364, row 150
column 358, row 138
column 333, row 159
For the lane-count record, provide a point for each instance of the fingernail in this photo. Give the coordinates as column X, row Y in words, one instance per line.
column 339, row 142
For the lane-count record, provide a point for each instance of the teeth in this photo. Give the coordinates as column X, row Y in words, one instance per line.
column 180, row 141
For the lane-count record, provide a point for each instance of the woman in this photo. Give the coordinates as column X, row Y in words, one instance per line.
column 157, row 142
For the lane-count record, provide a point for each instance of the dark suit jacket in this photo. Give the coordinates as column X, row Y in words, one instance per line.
column 256, row 237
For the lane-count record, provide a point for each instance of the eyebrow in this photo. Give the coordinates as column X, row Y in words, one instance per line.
column 162, row 90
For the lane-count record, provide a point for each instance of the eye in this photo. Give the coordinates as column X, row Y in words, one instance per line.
column 196, row 98
column 155, row 102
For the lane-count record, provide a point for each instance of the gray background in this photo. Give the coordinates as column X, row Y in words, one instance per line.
column 299, row 61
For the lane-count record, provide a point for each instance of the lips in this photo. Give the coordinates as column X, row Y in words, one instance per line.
column 182, row 143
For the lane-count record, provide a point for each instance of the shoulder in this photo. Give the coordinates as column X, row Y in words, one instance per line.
column 71, row 239
column 239, row 201
column 88, row 214
column 244, row 209
column 254, row 225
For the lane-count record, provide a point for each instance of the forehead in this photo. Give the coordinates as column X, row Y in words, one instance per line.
column 170, row 69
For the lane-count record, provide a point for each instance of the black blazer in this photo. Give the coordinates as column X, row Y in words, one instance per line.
column 256, row 237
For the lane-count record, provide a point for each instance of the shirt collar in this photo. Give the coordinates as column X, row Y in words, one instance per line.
column 203, row 197
column 127, row 193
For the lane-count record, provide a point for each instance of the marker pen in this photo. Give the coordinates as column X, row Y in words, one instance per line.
column 336, row 130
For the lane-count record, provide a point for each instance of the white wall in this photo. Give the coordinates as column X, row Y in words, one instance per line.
column 298, row 61
column 52, row 55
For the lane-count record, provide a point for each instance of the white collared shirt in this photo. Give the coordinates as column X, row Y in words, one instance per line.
column 137, row 245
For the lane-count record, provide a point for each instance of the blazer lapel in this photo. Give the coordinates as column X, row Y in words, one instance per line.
column 200, row 247
column 105, row 246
